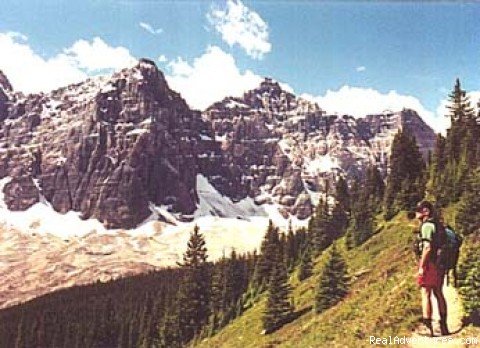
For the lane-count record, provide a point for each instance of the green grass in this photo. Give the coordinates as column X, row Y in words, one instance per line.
column 384, row 300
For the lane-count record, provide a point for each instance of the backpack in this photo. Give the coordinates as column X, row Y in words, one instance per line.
column 445, row 245
column 451, row 252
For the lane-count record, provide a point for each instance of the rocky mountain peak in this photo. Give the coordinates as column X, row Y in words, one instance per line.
column 107, row 147
column 5, row 83
column 5, row 91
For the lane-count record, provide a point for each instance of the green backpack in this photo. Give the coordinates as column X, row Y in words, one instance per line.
column 446, row 245
column 451, row 253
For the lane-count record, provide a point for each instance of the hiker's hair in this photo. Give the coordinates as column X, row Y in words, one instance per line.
column 426, row 205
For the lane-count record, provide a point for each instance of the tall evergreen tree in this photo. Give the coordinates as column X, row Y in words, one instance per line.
column 469, row 284
column 278, row 308
column 342, row 194
column 193, row 298
column 460, row 109
column 305, row 268
column 291, row 250
column 320, row 228
column 338, row 221
column 437, row 172
column 468, row 216
column 170, row 331
column 405, row 182
column 361, row 224
column 269, row 250
column 333, row 282
column 217, row 293
column 374, row 188
column 460, row 146
column 341, row 210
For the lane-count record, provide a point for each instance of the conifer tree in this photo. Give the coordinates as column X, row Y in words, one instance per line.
column 461, row 144
column 361, row 224
column 170, row 331
column 437, row 172
column 333, row 282
column 460, row 106
column 468, row 216
column 342, row 194
column 236, row 282
column 469, row 284
column 269, row 250
column 193, row 298
column 338, row 221
column 374, row 188
column 291, row 248
column 405, row 185
column 305, row 267
column 341, row 211
column 217, row 292
column 320, row 228
column 278, row 308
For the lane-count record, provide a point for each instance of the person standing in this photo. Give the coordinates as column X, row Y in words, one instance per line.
column 430, row 275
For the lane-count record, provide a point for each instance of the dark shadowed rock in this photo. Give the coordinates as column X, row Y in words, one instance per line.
column 303, row 207
column 21, row 193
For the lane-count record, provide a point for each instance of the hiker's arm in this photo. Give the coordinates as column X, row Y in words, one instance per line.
column 427, row 236
column 425, row 254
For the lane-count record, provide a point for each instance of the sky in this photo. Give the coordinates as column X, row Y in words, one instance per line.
column 350, row 57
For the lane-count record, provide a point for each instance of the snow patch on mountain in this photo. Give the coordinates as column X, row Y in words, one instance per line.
column 43, row 219
column 214, row 204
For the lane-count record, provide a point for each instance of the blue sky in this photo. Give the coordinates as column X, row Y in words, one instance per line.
column 356, row 53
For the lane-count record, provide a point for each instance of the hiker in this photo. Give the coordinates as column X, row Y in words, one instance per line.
column 430, row 274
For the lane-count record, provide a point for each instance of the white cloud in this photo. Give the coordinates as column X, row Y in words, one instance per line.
column 29, row 72
column 359, row 102
column 211, row 77
column 150, row 28
column 17, row 35
column 162, row 58
column 97, row 55
column 360, row 68
column 240, row 25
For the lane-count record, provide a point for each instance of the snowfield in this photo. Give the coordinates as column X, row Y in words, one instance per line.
column 42, row 250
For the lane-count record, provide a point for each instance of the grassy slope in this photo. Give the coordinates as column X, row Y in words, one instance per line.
column 383, row 301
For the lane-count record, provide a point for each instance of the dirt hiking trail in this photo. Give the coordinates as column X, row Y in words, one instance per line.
column 454, row 320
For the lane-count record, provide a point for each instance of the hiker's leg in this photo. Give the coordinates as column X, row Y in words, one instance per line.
column 442, row 310
column 442, row 304
column 426, row 302
column 426, row 311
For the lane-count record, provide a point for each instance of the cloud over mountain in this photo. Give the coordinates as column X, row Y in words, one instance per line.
column 239, row 25
column 29, row 71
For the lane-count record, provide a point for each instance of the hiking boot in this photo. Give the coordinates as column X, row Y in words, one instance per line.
column 426, row 327
column 443, row 325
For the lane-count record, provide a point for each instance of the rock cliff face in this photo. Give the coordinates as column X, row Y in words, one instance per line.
column 105, row 147
column 288, row 151
column 111, row 147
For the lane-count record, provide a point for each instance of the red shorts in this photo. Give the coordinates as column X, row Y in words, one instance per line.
column 432, row 276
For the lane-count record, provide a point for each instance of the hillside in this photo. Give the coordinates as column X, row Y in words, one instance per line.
column 384, row 300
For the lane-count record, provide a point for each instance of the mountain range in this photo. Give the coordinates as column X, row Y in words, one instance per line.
column 105, row 178
column 114, row 148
